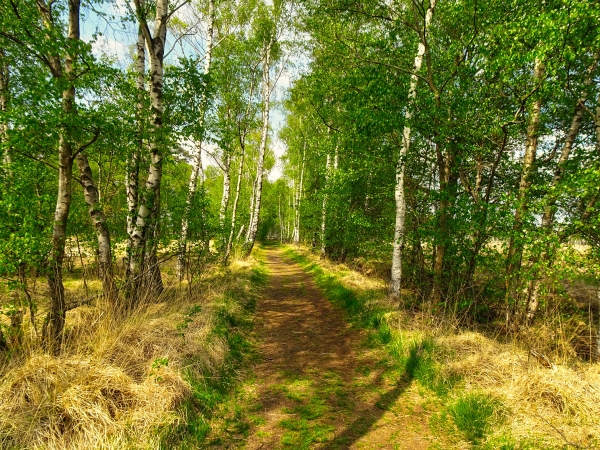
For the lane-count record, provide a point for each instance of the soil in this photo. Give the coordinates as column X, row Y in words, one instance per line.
column 318, row 383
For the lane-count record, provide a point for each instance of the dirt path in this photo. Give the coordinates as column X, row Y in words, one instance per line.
column 317, row 385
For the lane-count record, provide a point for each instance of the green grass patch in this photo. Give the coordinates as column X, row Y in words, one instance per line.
column 474, row 414
column 210, row 389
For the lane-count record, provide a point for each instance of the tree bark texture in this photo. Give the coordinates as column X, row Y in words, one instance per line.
column 96, row 213
column 133, row 163
column 238, row 189
column 296, row 233
column 546, row 257
column 448, row 179
column 399, row 194
column 148, row 212
column 323, row 252
column 226, row 190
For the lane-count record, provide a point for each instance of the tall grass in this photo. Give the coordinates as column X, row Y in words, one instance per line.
column 149, row 381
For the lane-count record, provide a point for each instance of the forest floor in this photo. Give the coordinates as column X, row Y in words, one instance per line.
column 316, row 382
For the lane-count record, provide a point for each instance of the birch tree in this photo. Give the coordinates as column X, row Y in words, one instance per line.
column 148, row 211
column 132, row 176
column 399, row 192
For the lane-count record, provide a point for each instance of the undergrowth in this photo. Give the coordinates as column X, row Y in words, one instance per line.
column 489, row 396
column 152, row 380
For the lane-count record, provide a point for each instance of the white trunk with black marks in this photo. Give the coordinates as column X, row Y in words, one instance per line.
column 133, row 163
column 323, row 252
column 296, row 233
column 55, row 320
column 96, row 213
column 550, row 209
column 238, row 189
column 399, row 195
column 226, row 191
column 253, row 226
column 197, row 159
column 148, row 212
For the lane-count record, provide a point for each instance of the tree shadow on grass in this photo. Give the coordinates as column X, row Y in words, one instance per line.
column 365, row 421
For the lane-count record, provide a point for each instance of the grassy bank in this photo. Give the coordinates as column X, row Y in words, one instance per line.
column 488, row 395
column 151, row 381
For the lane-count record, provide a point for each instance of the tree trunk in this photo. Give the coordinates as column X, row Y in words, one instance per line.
column 55, row 320
column 296, row 234
column 133, row 164
column 238, row 189
column 253, row 226
column 96, row 213
column 532, row 300
column 448, row 179
column 226, row 191
column 148, row 211
column 399, row 194
column 197, row 161
column 323, row 252
column 515, row 247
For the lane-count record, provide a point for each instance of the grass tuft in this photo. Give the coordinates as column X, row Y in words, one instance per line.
column 474, row 414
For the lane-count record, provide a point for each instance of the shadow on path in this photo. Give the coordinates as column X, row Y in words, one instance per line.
column 315, row 386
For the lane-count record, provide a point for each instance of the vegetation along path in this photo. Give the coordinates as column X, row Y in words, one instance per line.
column 317, row 383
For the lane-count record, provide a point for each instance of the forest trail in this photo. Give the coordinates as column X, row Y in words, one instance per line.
column 316, row 383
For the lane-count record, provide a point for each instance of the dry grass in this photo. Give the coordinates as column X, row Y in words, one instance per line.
column 559, row 405
column 118, row 384
column 556, row 407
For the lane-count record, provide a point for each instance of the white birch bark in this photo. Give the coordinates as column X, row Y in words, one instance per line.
column 323, row 252
column 133, row 163
column 242, row 132
column 399, row 228
column 148, row 212
column 197, row 159
column 280, row 217
column 296, row 233
column 96, row 213
column 266, row 93
column 238, row 189
column 226, row 190
column 532, row 300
